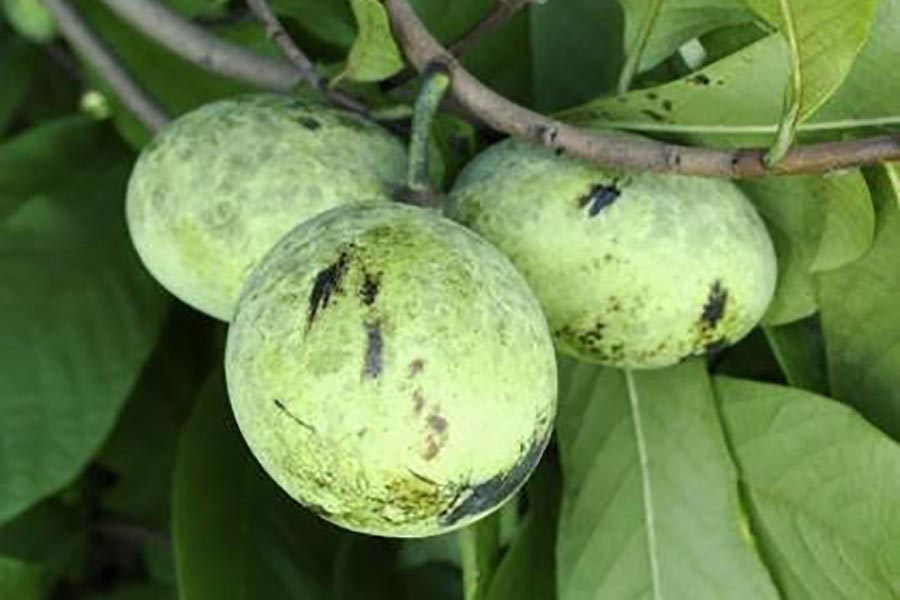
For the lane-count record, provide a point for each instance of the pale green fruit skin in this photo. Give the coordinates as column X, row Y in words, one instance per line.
column 221, row 185
column 673, row 267
column 30, row 19
column 402, row 408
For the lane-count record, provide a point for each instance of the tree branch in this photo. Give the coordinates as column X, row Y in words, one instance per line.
column 196, row 45
column 305, row 67
column 83, row 39
column 617, row 152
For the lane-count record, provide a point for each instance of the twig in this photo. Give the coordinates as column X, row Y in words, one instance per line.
column 196, row 45
column 614, row 151
column 83, row 39
column 503, row 11
column 305, row 67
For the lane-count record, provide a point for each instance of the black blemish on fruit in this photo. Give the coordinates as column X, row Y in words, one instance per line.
column 416, row 367
column 280, row 405
column 374, row 347
column 600, row 196
column 714, row 348
column 309, row 123
column 421, row 477
column 698, row 79
column 437, row 437
column 667, row 105
column 328, row 281
column 418, row 401
column 654, row 115
column 483, row 496
column 714, row 308
column 438, row 423
column 368, row 291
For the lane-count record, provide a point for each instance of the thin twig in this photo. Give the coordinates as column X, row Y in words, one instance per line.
column 613, row 150
column 83, row 39
column 198, row 46
column 503, row 11
column 306, row 68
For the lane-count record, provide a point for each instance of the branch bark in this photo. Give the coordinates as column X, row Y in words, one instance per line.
column 196, row 45
column 613, row 151
column 83, row 39
column 305, row 67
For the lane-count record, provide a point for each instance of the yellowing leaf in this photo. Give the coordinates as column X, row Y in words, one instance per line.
column 374, row 55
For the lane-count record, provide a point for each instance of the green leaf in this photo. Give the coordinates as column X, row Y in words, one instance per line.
column 892, row 171
column 800, row 350
column 198, row 8
column 656, row 29
column 650, row 499
column 824, row 38
column 806, row 218
column 16, row 74
column 859, row 317
column 51, row 535
column 374, row 55
column 329, row 21
column 527, row 571
column 822, row 487
column 139, row 591
column 237, row 535
column 157, row 409
column 366, row 568
column 79, row 318
column 21, row 580
column 480, row 549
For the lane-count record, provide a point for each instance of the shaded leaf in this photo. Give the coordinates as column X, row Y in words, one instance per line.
column 366, row 568
column 822, row 487
column 330, row 21
column 804, row 216
column 237, row 535
column 800, row 350
column 636, row 456
column 79, row 318
column 859, row 317
column 15, row 73
column 480, row 550
column 21, row 580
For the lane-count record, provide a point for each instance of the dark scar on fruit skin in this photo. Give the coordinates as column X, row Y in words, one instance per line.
column 418, row 401
column 715, row 348
column 599, row 197
column 368, row 292
column 374, row 347
column 416, row 367
column 309, row 123
column 487, row 494
column 328, row 282
column 714, row 309
column 280, row 405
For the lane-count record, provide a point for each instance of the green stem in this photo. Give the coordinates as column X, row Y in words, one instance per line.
column 435, row 86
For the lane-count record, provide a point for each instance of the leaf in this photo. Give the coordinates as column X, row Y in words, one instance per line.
column 198, row 8
column 79, row 318
column 859, row 317
column 51, row 536
column 15, row 72
column 824, row 38
column 526, row 571
column 822, row 486
column 374, row 55
column 157, row 409
column 328, row 21
column 804, row 218
column 892, row 170
column 645, row 468
column 657, row 28
column 366, row 568
column 236, row 534
column 800, row 350
column 480, row 548
column 139, row 591
column 21, row 580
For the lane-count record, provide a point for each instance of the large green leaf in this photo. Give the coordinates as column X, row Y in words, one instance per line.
column 822, row 487
column 656, row 29
column 824, row 38
column 816, row 223
column 237, row 535
column 79, row 318
column 21, row 580
column 650, row 503
column 859, row 316
column 800, row 350
column 527, row 571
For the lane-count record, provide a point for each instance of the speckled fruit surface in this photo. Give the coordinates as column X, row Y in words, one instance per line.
column 218, row 188
column 638, row 270
column 392, row 371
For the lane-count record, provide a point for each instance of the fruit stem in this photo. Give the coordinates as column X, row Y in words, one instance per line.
column 435, row 86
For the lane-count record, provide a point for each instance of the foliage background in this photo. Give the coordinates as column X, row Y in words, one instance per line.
column 768, row 471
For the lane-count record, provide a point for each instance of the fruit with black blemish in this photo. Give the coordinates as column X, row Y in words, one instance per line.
column 392, row 370
column 212, row 193
column 632, row 270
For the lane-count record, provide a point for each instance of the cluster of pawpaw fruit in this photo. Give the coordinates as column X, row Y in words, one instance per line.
column 392, row 368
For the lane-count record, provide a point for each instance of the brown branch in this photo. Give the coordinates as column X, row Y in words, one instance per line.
column 83, row 39
column 196, row 45
column 503, row 11
column 305, row 67
column 609, row 150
